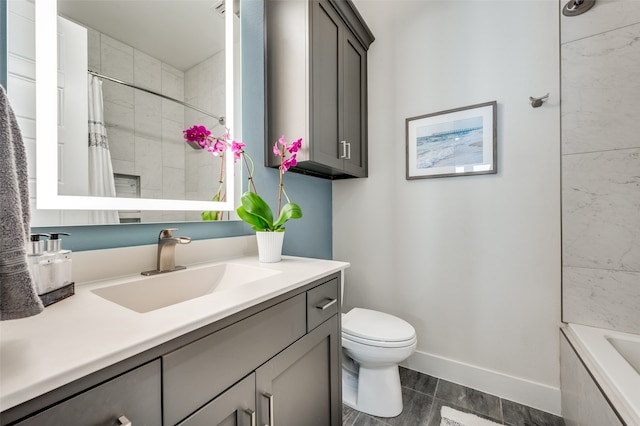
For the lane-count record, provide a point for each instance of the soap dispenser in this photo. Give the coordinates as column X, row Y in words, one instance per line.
column 39, row 263
column 62, row 270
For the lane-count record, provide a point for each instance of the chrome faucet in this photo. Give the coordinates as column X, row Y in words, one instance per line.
column 167, row 252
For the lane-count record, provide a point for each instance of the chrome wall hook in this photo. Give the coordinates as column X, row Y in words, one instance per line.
column 536, row 102
column 577, row 7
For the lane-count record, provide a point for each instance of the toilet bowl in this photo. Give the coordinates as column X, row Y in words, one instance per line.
column 373, row 344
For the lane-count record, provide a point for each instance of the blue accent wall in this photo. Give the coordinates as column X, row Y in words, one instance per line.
column 310, row 236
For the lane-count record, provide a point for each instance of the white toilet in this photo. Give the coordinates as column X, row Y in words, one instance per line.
column 374, row 343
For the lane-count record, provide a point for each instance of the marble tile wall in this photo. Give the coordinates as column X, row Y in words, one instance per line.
column 600, row 53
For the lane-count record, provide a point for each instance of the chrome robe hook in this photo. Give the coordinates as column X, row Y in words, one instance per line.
column 536, row 102
column 577, row 7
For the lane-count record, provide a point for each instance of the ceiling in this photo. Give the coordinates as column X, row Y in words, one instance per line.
column 181, row 33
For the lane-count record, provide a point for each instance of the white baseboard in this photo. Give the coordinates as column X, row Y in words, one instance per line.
column 532, row 394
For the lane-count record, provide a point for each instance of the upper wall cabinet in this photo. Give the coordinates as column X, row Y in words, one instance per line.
column 317, row 85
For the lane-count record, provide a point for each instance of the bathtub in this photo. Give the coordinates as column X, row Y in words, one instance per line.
column 613, row 359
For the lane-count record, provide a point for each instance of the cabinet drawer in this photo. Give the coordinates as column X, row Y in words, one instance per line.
column 322, row 303
column 194, row 374
column 135, row 395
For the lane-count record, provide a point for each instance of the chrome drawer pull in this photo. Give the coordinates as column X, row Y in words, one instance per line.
column 328, row 304
column 348, row 155
column 344, row 149
column 252, row 414
column 124, row 421
column 270, row 397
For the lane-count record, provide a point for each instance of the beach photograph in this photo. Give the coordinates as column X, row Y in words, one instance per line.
column 450, row 144
column 455, row 142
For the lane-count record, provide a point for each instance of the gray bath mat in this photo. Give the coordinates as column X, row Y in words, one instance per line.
column 451, row 417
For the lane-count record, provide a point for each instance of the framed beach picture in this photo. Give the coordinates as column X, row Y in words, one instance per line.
column 456, row 142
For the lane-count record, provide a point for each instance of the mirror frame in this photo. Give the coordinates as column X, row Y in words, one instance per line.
column 47, row 197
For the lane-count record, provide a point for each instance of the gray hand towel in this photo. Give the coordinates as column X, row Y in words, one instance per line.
column 18, row 298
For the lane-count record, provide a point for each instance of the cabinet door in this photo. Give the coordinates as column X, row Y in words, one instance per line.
column 354, row 112
column 326, row 76
column 196, row 373
column 301, row 385
column 135, row 395
column 235, row 407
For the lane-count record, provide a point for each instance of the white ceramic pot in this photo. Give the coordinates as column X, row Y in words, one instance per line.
column 269, row 246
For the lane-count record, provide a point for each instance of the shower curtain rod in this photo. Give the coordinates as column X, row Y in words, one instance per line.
column 221, row 120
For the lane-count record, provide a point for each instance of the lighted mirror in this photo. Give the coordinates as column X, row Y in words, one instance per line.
column 160, row 67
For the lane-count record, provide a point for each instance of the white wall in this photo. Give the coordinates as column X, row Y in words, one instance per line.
column 472, row 262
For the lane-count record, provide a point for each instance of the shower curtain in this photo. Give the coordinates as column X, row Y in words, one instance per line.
column 101, row 181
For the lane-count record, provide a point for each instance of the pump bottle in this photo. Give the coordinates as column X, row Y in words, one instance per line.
column 40, row 264
column 62, row 270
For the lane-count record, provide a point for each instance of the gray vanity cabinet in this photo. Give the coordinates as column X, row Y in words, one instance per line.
column 134, row 395
column 317, row 84
column 295, row 346
column 276, row 360
column 301, row 385
column 198, row 372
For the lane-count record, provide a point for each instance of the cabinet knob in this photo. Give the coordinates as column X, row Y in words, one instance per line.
column 124, row 421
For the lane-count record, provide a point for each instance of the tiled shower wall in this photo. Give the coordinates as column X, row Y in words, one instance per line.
column 204, row 86
column 601, row 166
column 145, row 131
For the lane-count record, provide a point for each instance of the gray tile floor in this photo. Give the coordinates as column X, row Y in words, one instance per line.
column 424, row 396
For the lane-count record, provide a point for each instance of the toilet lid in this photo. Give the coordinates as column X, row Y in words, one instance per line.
column 377, row 326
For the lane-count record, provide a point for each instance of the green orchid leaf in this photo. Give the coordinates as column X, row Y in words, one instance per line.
column 212, row 215
column 289, row 211
column 256, row 222
column 209, row 215
column 254, row 205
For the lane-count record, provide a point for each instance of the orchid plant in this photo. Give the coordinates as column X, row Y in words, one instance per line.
column 256, row 212
column 199, row 137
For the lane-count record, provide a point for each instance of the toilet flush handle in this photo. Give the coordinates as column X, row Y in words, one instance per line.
column 328, row 304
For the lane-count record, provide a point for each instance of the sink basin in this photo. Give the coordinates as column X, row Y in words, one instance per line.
column 145, row 294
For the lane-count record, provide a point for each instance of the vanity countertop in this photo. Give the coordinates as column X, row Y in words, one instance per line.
column 85, row 333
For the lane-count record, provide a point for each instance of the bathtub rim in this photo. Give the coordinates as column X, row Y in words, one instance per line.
column 616, row 392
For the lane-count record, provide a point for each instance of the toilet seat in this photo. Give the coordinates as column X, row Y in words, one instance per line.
column 376, row 343
column 375, row 328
